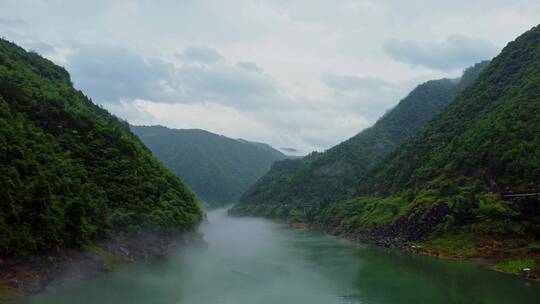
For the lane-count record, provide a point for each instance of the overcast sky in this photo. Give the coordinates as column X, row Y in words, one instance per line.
column 302, row 74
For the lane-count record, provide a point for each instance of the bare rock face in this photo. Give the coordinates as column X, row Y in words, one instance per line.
column 415, row 226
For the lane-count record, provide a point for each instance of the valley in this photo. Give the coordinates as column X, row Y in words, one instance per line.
column 143, row 152
column 267, row 262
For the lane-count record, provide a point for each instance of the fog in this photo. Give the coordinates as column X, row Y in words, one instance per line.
column 257, row 261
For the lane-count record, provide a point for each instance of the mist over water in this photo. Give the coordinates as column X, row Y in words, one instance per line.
column 258, row 261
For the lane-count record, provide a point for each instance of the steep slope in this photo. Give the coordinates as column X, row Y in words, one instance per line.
column 71, row 172
column 335, row 174
column 490, row 135
column 450, row 190
column 449, row 186
column 218, row 169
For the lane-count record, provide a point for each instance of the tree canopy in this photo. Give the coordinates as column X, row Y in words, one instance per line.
column 71, row 172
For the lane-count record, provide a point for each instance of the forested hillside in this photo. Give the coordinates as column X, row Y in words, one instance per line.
column 448, row 190
column 488, row 137
column 451, row 184
column 336, row 173
column 71, row 173
column 218, row 169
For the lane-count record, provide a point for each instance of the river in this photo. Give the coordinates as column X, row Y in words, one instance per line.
column 257, row 261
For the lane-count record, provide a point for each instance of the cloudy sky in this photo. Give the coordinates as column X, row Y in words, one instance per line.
column 302, row 74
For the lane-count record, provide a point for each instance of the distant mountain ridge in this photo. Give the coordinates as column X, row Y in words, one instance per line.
column 335, row 173
column 218, row 168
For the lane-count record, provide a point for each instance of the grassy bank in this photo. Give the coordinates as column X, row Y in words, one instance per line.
column 462, row 225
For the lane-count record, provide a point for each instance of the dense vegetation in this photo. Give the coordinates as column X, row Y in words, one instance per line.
column 335, row 174
column 486, row 142
column 218, row 169
column 443, row 190
column 71, row 172
column 490, row 134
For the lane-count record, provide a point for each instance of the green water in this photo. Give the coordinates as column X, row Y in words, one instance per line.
column 256, row 261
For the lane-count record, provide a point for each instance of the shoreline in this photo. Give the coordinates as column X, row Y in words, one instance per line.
column 20, row 277
column 416, row 248
column 421, row 251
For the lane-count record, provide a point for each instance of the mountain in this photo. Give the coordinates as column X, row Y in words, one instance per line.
column 482, row 148
column 335, row 174
column 71, row 172
column 465, row 185
column 468, row 184
column 489, row 136
column 218, row 169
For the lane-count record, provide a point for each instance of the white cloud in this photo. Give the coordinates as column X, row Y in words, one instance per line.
column 303, row 74
column 110, row 74
column 354, row 83
column 200, row 54
column 250, row 66
column 456, row 51
column 321, row 126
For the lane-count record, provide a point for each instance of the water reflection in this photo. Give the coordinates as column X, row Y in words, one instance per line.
column 257, row 261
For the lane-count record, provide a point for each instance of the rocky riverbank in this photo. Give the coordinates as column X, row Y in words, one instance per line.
column 414, row 232
column 519, row 257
